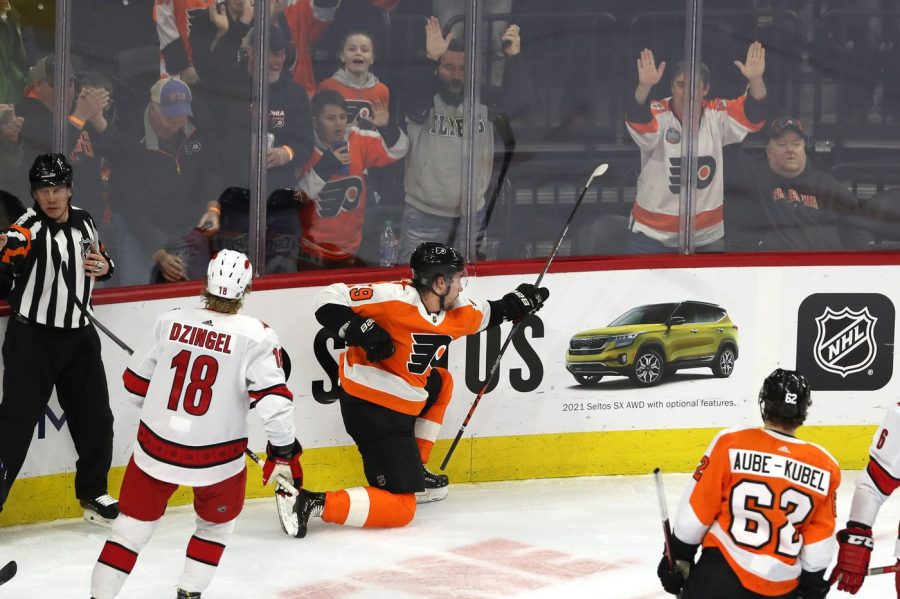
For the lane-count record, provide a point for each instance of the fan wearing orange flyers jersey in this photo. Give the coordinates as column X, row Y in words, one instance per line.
column 333, row 183
column 360, row 88
column 876, row 483
column 392, row 398
column 762, row 504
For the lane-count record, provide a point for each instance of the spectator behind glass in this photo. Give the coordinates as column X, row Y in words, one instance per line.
column 356, row 84
column 306, row 21
column 225, row 111
column 85, row 122
column 657, row 130
column 434, row 119
column 91, row 152
column 13, row 62
column 445, row 10
column 334, row 180
column 785, row 204
column 165, row 181
column 174, row 20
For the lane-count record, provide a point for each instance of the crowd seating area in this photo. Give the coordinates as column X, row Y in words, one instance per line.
column 834, row 65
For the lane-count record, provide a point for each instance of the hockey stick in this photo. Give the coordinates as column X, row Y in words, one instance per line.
column 504, row 130
column 884, row 569
column 496, row 366
column 284, row 502
column 91, row 317
column 8, row 571
column 664, row 513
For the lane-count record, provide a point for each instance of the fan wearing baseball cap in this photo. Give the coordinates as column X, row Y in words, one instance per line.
column 785, row 204
column 167, row 184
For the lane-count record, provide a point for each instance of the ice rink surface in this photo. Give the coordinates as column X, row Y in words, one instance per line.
column 596, row 537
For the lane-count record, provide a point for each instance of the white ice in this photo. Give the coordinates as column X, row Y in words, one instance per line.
column 596, row 537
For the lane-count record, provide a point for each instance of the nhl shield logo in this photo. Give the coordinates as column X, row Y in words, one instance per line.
column 845, row 340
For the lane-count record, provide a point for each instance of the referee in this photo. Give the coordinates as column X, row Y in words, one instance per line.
column 48, row 257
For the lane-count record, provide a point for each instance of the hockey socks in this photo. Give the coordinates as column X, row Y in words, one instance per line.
column 428, row 424
column 204, row 551
column 368, row 507
column 119, row 554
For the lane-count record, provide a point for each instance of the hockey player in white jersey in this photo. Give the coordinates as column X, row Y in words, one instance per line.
column 194, row 381
column 880, row 478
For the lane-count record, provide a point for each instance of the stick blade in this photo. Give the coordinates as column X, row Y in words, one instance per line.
column 8, row 571
column 598, row 172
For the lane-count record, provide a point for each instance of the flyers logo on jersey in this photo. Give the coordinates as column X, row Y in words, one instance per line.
column 706, row 171
column 339, row 196
column 426, row 348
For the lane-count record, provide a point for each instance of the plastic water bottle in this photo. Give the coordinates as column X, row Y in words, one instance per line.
column 389, row 245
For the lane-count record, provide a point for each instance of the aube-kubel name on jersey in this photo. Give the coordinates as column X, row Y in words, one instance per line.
column 199, row 337
column 779, row 466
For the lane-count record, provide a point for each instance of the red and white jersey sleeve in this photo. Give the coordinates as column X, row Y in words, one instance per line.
column 882, row 476
column 655, row 211
column 766, row 501
column 198, row 378
column 420, row 338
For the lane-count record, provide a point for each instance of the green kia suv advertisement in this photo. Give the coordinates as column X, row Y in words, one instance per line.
column 649, row 342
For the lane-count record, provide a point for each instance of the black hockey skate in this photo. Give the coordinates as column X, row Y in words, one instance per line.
column 101, row 510
column 182, row 594
column 309, row 503
column 436, row 486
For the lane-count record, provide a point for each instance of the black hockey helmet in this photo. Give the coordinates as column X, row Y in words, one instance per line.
column 784, row 398
column 432, row 259
column 50, row 170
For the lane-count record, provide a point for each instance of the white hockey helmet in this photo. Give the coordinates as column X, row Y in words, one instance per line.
column 228, row 274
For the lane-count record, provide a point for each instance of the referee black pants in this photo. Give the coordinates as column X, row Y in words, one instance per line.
column 35, row 359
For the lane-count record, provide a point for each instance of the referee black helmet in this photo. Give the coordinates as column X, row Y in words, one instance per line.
column 50, row 170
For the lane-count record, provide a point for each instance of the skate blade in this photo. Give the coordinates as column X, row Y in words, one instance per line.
column 431, row 495
column 96, row 519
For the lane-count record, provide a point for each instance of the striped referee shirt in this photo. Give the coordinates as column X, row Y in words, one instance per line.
column 43, row 264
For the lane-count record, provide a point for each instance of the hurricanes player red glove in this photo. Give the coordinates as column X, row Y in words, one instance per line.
column 283, row 466
column 856, row 546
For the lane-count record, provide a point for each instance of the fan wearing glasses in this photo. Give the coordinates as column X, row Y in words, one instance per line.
column 784, row 204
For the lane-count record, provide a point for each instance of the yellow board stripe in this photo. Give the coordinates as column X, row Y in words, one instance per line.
column 518, row 457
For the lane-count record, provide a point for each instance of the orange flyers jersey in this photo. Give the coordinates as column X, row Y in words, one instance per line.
column 767, row 501
column 332, row 218
column 307, row 23
column 655, row 211
column 419, row 339
column 173, row 20
column 360, row 101
column 882, row 475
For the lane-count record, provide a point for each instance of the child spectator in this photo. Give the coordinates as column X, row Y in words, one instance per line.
column 354, row 81
column 333, row 184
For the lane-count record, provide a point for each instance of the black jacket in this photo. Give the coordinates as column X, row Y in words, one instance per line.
column 767, row 212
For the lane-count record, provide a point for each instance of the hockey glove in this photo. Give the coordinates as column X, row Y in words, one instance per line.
column 856, row 546
column 813, row 585
column 683, row 555
column 283, row 466
column 367, row 334
column 524, row 301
